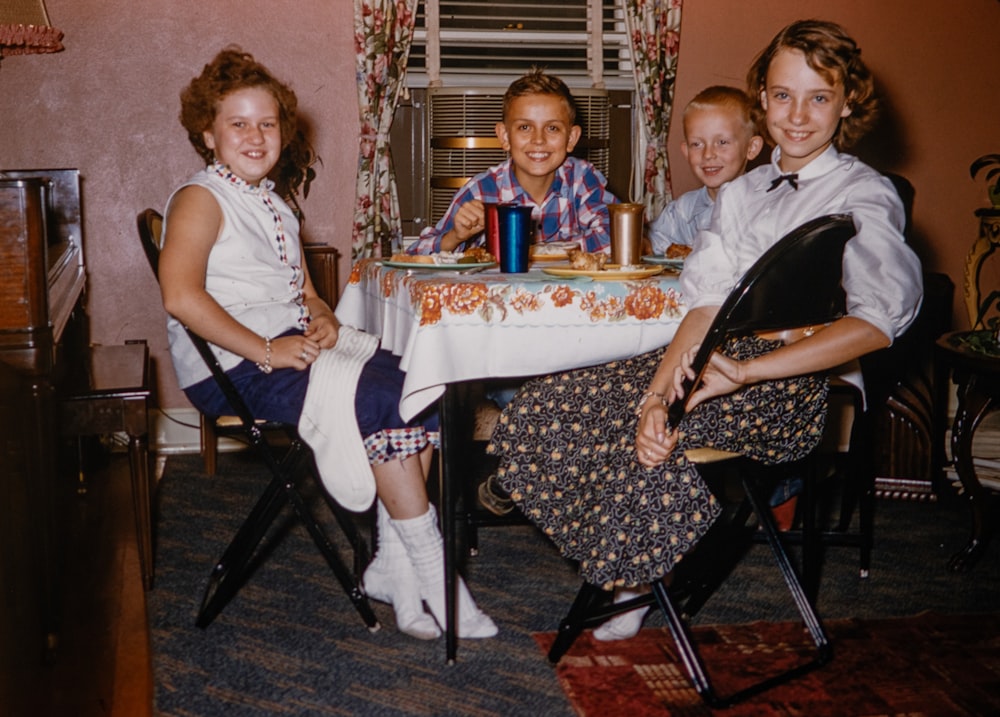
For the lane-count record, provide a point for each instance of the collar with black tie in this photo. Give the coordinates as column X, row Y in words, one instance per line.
column 792, row 179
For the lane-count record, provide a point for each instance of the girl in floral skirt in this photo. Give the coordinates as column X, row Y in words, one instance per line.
column 588, row 455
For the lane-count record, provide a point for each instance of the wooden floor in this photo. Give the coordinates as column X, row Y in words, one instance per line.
column 102, row 663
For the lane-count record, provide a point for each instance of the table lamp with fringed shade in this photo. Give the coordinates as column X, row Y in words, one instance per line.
column 25, row 29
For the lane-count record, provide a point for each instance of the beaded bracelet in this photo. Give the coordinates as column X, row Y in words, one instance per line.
column 266, row 366
column 645, row 397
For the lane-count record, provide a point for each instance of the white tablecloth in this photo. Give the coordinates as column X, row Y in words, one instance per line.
column 450, row 327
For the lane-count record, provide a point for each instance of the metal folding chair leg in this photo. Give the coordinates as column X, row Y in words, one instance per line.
column 340, row 571
column 231, row 569
column 576, row 620
column 590, row 609
column 687, row 649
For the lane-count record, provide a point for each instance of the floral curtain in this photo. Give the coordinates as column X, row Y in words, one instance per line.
column 383, row 32
column 654, row 33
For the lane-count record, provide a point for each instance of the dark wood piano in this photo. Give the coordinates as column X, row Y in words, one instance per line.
column 41, row 285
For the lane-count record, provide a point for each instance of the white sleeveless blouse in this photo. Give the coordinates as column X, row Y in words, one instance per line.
column 254, row 276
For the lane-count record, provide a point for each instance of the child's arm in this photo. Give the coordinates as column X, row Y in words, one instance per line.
column 465, row 220
column 194, row 220
column 835, row 345
column 592, row 198
column 323, row 326
column 681, row 220
column 663, row 229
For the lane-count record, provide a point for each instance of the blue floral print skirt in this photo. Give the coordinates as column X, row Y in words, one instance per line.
column 566, row 448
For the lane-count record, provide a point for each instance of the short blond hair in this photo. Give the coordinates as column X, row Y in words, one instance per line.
column 731, row 99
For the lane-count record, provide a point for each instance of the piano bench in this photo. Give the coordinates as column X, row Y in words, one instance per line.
column 112, row 396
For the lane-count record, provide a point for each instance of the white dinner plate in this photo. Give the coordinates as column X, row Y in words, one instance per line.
column 423, row 266
column 660, row 260
column 610, row 272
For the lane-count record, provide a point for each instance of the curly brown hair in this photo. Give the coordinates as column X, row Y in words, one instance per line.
column 231, row 70
column 834, row 55
column 536, row 82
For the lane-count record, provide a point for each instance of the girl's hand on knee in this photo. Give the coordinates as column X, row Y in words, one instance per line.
column 654, row 441
column 323, row 330
column 298, row 352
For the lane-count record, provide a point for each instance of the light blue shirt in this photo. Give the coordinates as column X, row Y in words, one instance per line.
column 681, row 220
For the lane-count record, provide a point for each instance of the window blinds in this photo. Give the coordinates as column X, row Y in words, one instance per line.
column 487, row 42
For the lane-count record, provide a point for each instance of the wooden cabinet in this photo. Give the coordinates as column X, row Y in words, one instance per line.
column 321, row 259
column 41, row 284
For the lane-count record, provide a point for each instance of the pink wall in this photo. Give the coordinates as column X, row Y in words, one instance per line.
column 108, row 105
column 932, row 64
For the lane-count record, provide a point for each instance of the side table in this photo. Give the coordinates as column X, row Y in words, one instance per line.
column 977, row 376
column 113, row 396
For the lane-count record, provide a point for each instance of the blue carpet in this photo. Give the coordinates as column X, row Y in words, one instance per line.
column 291, row 643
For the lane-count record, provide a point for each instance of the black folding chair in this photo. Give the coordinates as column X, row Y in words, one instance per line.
column 290, row 468
column 795, row 283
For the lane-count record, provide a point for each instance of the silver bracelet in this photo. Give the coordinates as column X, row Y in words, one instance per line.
column 645, row 397
column 266, row 366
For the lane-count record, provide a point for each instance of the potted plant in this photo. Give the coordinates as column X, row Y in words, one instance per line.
column 984, row 313
column 991, row 163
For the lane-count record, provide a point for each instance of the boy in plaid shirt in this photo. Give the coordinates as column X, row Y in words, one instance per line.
column 569, row 195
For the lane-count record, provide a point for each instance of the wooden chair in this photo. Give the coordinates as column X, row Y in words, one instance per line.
column 795, row 283
column 290, row 468
column 110, row 390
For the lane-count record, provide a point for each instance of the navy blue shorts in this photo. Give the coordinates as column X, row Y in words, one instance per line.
column 280, row 395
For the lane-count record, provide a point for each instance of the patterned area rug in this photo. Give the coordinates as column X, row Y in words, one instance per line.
column 928, row 665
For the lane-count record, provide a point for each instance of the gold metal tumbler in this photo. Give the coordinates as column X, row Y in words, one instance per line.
column 626, row 233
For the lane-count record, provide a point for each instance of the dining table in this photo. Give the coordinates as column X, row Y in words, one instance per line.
column 456, row 323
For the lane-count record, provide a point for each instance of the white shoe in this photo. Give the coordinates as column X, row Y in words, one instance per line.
column 626, row 625
column 425, row 547
column 390, row 578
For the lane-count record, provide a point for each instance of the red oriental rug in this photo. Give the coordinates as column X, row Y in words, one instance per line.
column 931, row 665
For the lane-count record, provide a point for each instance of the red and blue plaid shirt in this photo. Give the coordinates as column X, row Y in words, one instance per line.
column 575, row 208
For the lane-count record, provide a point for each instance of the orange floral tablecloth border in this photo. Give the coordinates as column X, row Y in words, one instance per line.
column 493, row 298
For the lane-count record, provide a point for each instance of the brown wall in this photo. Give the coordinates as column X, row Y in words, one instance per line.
column 108, row 105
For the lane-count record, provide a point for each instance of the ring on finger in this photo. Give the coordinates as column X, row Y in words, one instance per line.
column 304, row 356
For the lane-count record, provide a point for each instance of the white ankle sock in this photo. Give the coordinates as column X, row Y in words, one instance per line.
column 425, row 547
column 626, row 625
column 390, row 578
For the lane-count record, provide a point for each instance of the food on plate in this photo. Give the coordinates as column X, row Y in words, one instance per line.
column 677, row 251
column 586, row 260
column 553, row 248
column 478, row 255
column 475, row 255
